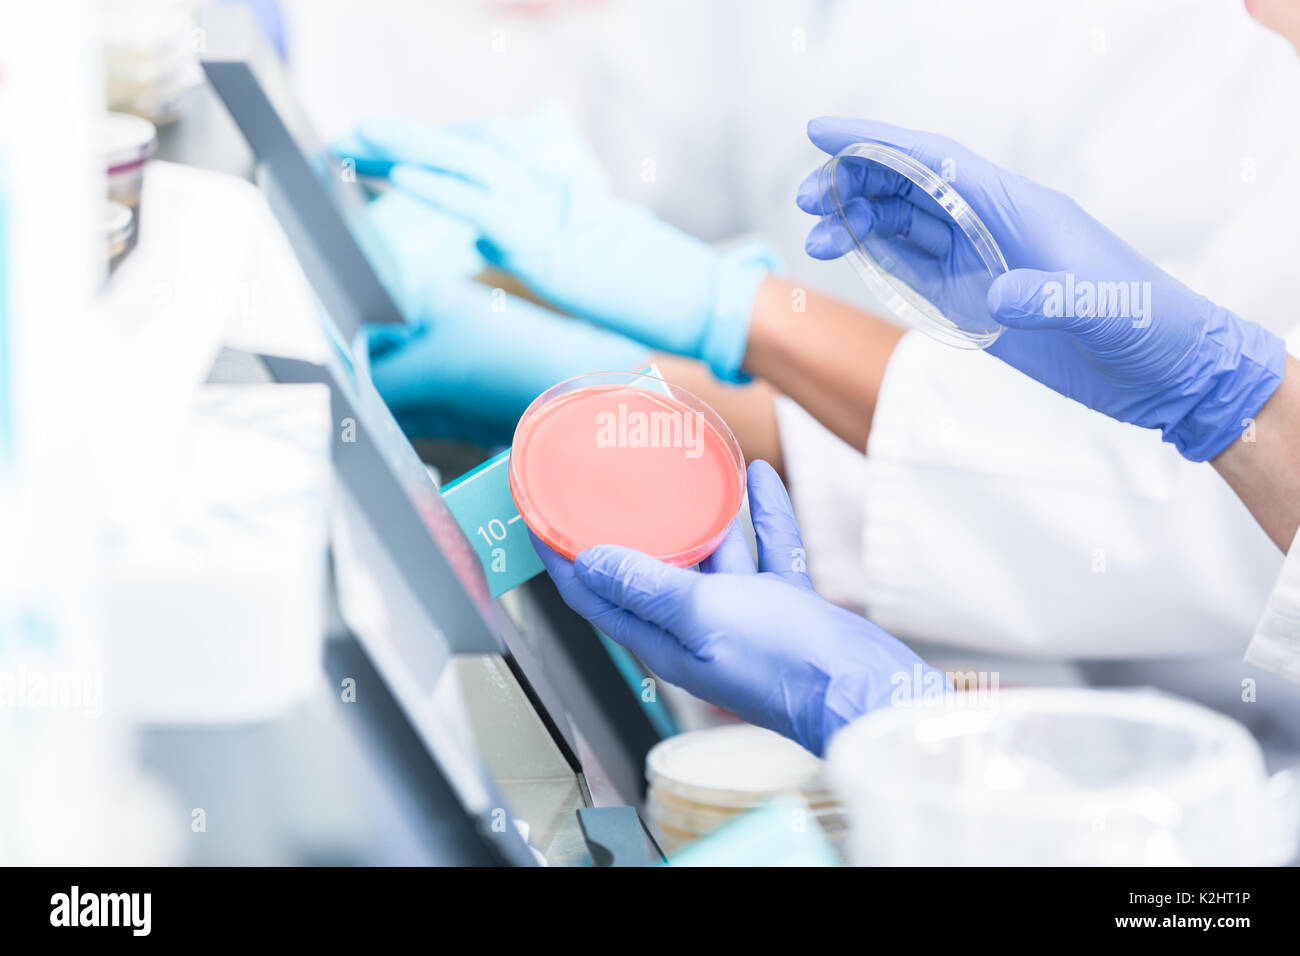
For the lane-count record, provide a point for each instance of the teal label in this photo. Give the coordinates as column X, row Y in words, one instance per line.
column 482, row 505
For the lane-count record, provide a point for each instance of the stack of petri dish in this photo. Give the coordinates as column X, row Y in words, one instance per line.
column 149, row 56
column 119, row 228
column 128, row 142
column 701, row 780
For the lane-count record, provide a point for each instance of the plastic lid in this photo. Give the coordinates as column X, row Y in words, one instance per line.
column 949, row 252
column 739, row 766
column 127, row 139
column 624, row 458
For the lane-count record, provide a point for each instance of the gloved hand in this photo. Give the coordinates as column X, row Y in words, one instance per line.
column 1085, row 314
column 573, row 243
column 415, row 250
column 476, row 357
column 759, row 642
column 469, row 359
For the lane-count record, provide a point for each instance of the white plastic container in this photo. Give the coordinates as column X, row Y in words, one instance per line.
column 129, row 141
column 1061, row 777
column 704, row 779
column 214, row 612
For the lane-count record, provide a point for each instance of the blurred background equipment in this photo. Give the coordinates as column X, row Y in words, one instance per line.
column 71, row 788
column 1062, row 777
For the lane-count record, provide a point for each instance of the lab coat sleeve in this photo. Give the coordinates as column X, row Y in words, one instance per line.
column 998, row 515
column 826, row 478
column 1275, row 645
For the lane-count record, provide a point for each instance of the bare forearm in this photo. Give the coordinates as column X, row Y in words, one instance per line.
column 1263, row 467
column 750, row 410
column 827, row 356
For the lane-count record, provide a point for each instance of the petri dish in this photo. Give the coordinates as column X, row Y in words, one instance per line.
column 629, row 459
column 936, row 279
column 736, row 767
column 150, row 63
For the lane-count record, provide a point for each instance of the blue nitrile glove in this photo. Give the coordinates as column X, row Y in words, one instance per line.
column 546, row 138
column 414, row 250
column 469, row 359
column 575, row 244
column 477, row 356
column 759, row 642
column 1086, row 315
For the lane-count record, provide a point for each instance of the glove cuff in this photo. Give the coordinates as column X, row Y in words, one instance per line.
column 739, row 273
column 854, row 692
column 1248, row 362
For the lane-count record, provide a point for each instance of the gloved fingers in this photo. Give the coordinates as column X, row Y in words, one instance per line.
column 659, row 650
column 414, row 246
column 899, row 218
column 652, row 590
column 480, row 207
column 605, row 614
column 656, row 648
column 450, row 300
column 890, row 218
column 490, row 349
column 576, row 594
column 447, row 150
column 372, row 160
column 830, row 238
column 364, row 158
column 780, row 545
column 732, row 556
column 519, row 340
column 851, row 179
column 402, row 219
column 1035, row 300
column 387, row 337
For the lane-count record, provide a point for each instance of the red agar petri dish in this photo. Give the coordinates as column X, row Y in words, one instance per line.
column 629, row 459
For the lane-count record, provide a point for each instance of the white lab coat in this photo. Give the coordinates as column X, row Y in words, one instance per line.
column 1275, row 645
column 992, row 514
column 988, row 513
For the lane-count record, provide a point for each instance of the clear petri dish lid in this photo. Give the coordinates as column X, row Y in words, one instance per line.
column 915, row 242
column 629, row 459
